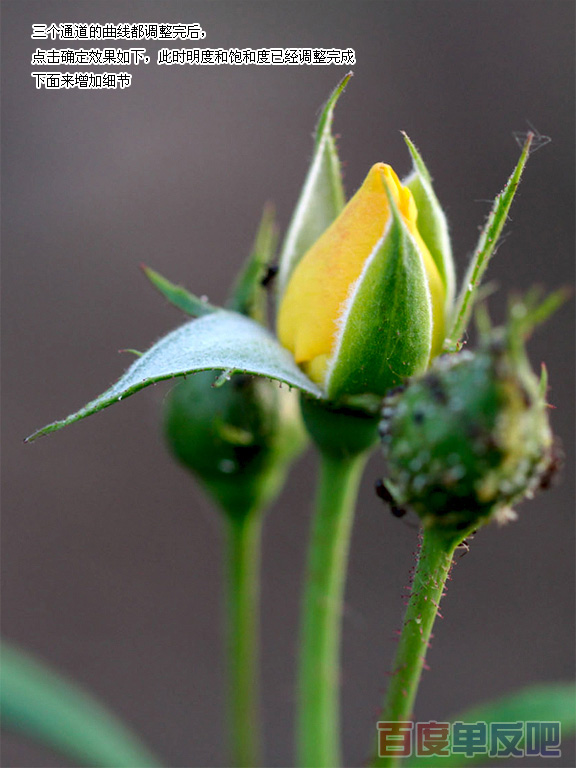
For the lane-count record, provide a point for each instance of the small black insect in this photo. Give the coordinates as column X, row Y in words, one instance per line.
column 383, row 493
column 271, row 272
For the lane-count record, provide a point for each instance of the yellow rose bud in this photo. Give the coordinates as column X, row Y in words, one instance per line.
column 316, row 305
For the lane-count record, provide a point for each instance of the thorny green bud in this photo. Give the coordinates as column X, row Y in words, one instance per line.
column 471, row 438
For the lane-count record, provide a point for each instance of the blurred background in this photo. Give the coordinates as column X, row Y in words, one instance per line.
column 111, row 556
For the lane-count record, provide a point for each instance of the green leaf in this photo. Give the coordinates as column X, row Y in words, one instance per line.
column 178, row 295
column 386, row 328
column 40, row 704
column 533, row 309
column 551, row 702
column 219, row 341
column 249, row 296
column 322, row 196
column 485, row 248
column 432, row 223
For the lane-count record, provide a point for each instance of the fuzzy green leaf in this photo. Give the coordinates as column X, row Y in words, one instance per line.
column 546, row 702
column 387, row 325
column 322, row 196
column 178, row 295
column 221, row 340
column 432, row 223
column 486, row 244
column 40, row 704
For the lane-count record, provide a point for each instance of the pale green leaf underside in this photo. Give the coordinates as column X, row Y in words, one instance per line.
column 222, row 340
column 39, row 703
column 545, row 702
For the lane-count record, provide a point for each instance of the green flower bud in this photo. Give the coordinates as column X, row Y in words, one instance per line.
column 239, row 439
column 471, row 438
column 238, row 434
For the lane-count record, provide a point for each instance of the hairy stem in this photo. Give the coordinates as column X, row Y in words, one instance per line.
column 433, row 567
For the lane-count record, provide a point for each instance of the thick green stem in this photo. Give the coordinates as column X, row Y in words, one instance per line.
column 243, row 645
column 433, row 567
column 319, row 674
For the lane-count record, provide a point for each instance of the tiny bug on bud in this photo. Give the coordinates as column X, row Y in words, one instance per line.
column 269, row 276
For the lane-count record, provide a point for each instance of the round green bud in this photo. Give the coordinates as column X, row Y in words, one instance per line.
column 339, row 431
column 469, row 439
column 238, row 439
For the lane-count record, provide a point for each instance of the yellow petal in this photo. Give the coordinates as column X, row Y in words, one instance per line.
column 322, row 281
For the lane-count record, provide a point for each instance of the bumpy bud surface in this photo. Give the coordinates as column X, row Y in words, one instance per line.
column 470, row 438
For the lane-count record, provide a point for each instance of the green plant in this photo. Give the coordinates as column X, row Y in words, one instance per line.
column 365, row 302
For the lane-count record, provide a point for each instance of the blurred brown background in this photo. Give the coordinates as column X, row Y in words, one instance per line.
column 111, row 556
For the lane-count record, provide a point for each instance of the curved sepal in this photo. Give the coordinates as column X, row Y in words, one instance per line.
column 386, row 328
column 321, row 198
column 432, row 223
column 178, row 295
column 221, row 340
column 249, row 297
column 485, row 248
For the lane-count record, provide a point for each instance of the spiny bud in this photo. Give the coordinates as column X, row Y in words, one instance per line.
column 471, row 438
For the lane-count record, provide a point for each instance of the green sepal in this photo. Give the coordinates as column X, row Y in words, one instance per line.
column 41, row 704
column 249, row 296
column 543, row 702
column 487, row 243
column 239, row 440
column 432, row 223
column 386, row 328
column 322, row 196
column 528, row 312
column 221, row 340
column 178, row 295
